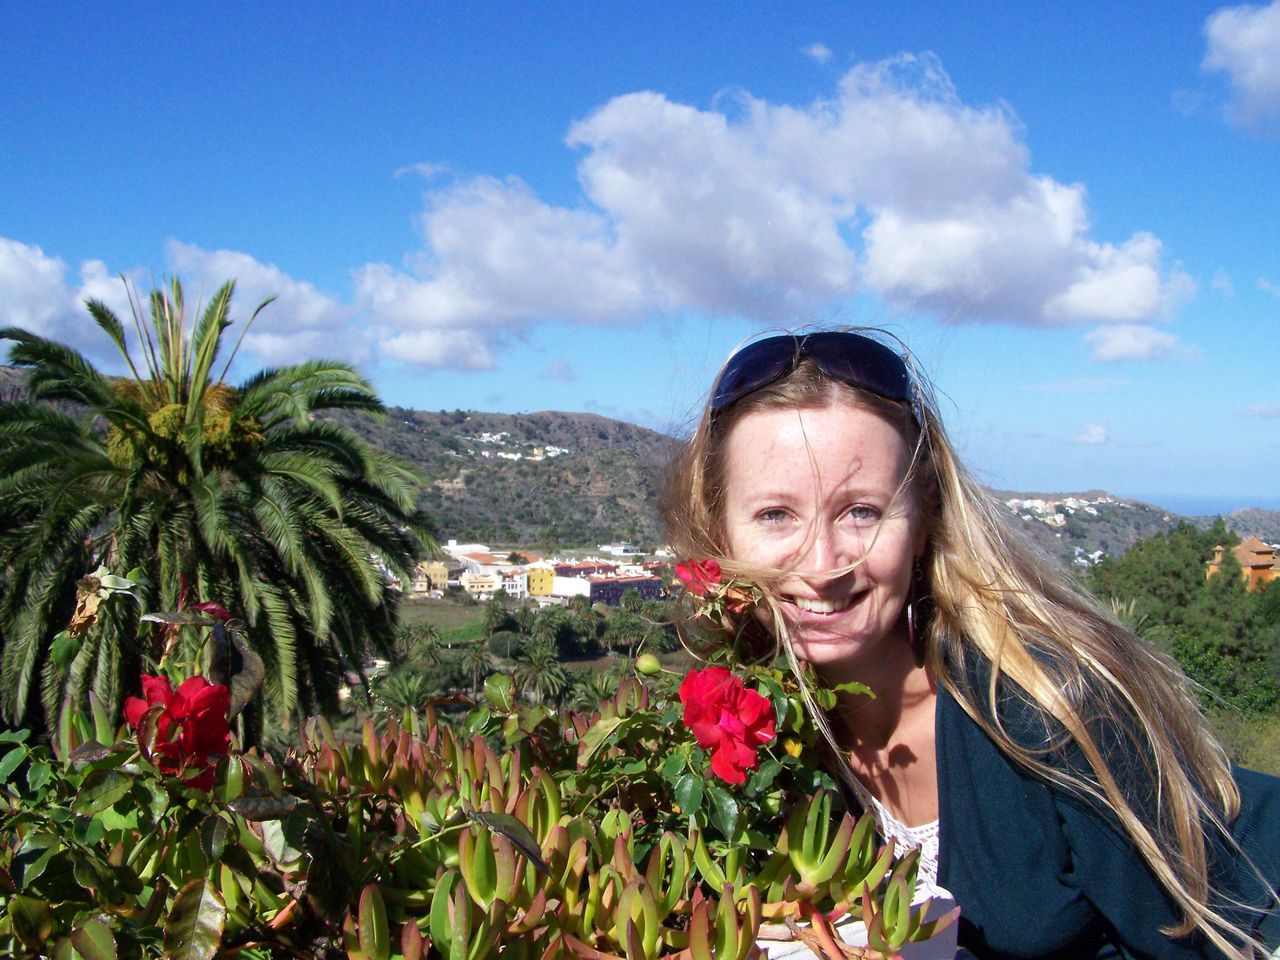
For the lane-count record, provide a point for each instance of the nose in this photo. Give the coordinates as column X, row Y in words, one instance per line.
column 828, row 550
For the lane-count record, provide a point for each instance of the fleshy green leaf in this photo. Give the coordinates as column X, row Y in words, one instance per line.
column 374, row 937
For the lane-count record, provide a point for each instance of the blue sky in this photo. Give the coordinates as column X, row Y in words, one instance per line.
column 1068, row 212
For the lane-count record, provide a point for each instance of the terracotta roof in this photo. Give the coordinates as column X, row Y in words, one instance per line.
column 1252, row 552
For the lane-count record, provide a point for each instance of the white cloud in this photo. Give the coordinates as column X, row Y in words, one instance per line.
column 1269, row 411
column 1222, row 283
column 1128, row 341
column 37, row 295
column 772, row 212
column 559, row 370
column 34, row 290
column 1244, row 43
column 301, row 322
column 1094, row 433
column 1266, row 286
column 427, row 171
column 817, row 52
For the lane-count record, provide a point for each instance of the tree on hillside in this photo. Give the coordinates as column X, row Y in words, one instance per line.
column 231, row 494
column 1217, row 630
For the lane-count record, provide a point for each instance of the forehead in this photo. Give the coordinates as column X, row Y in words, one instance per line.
column 838, row 442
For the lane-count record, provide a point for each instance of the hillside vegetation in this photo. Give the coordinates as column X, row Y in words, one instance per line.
column 598, row 480
column 580, row 478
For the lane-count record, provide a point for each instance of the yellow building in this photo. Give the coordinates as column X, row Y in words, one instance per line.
column 1259, row 564
column 480, row 584
column 540, row 580
column 430, row 575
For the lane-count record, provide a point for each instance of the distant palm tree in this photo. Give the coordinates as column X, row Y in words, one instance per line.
column 419, row 642
column 397, row 690
column 539, row 673
column 213, row 492
column 590, row 687
column 625, row 631
column 477, row 662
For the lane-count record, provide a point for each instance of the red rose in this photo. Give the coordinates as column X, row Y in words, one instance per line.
column 191, row 732
column 727, row 719
column 699, row 576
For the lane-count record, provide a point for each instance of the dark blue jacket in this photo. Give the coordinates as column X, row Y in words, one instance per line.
column 1041, row 873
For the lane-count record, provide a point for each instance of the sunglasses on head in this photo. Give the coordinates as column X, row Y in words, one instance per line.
column 851, row 358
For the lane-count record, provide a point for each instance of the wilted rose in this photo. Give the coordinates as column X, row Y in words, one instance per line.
column 728, row 720
column 192, row 730
column 699, row 576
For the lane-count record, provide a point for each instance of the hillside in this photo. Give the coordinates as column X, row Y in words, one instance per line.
column 577, row 479
column 534, row 478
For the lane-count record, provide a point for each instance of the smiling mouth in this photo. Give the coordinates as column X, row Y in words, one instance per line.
column 821, row 606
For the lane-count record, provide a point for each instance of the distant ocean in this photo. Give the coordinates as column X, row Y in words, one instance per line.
column 1206, row 506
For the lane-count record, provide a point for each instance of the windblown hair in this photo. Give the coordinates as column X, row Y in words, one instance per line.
column 1125, row 715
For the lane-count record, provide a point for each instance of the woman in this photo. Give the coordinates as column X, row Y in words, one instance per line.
column 1056, row 771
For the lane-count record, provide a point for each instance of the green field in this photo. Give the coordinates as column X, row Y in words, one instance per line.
column 457, row 622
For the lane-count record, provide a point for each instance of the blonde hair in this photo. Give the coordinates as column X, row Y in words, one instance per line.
column 1151, row 758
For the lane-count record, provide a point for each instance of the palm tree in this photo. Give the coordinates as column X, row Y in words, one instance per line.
column 591, row 687
column 477, row 662
column 398, row 690
column 539, row 672
column 421, row 643
column 213, row 492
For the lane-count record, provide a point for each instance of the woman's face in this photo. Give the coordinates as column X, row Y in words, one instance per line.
column 811, row 491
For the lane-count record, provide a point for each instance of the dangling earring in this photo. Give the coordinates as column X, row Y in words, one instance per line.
column 919, row 610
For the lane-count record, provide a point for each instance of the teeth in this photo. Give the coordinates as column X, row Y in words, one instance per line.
column 821, row 606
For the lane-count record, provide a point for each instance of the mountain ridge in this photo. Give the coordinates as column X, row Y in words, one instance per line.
column 557, row 478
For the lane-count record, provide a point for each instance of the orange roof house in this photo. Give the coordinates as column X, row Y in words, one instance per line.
column 1259, row 563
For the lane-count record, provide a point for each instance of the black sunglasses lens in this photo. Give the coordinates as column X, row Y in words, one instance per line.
column 754, row 366
column 848, row 357
column 860, row 362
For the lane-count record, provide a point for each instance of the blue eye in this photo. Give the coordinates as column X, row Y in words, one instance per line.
column 772, row 516
column 864, row 514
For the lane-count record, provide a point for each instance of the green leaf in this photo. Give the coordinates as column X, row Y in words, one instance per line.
column 763, row 778
column 595, row 738
column 90, row 830
column 441, row 921
column 374, row 938
column 499, row 690
column 11, row 761
column 688, row 793
column 724, row 811
column 277, row 844
column 515, row 831
column 672, row 766
column 63, row 649
column 215, row 832
column 38, row 775
column 196, row 921
column 93, row 940
column 854, row 687
column 100, row 792
column 33, row 856
column 263, row 808
column 15, row 736
column 32, row 920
